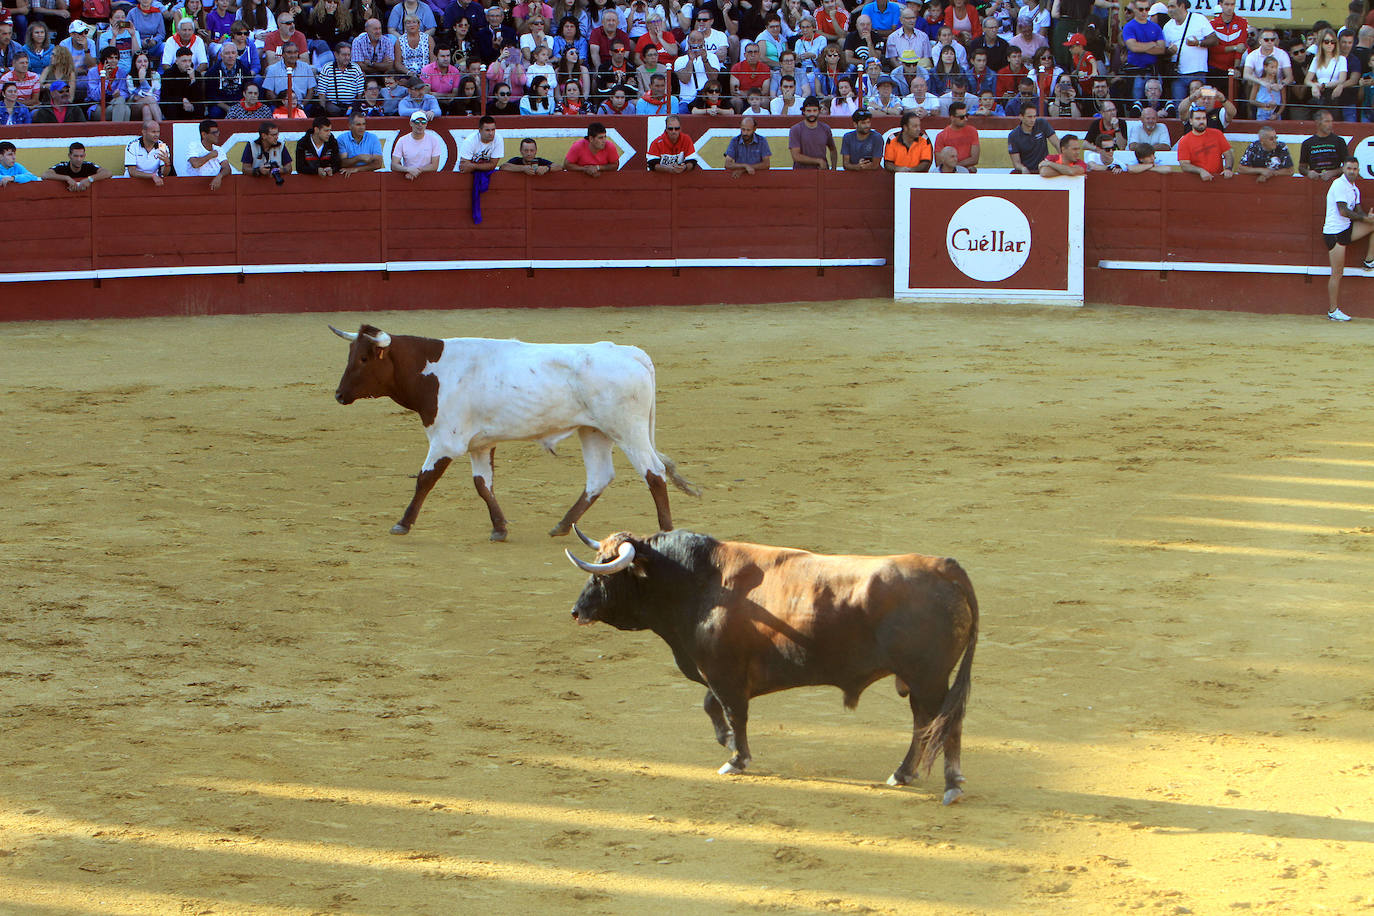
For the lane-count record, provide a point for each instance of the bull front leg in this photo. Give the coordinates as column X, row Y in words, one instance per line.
column 484, row 479
column 424, row 482
column 724, row 737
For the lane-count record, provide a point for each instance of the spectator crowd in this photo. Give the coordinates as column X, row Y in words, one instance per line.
column 1130, row 66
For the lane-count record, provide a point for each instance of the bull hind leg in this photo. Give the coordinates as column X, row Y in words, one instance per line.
column 954, row 776
column 424, row 482
column 484, row 480
column 596, row 455
column 921, row 714
column 724, row 736
column 651, row 468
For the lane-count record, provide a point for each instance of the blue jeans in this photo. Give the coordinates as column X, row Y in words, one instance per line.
column 1181, row 85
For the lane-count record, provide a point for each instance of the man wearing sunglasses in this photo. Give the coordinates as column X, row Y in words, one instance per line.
column 1268, row 47
column 1145, row 47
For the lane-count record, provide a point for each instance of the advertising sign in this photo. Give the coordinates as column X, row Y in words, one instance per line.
column 1249, row 10
column 995, row 238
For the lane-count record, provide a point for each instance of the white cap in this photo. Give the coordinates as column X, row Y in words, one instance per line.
column 78, row 26
column 1159, row 8
column 419, row 116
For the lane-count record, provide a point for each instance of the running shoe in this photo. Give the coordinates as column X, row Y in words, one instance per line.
column 1338, row 315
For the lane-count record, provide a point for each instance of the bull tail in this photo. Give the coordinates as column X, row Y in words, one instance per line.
column 956, row 700
column 670, row 466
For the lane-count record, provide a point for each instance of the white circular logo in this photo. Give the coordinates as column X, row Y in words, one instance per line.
column 1364, row 151
column 988, row 239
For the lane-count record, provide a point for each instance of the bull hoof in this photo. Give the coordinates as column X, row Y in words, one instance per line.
column 398, row 528
column 729, row 769
column 898, row 779
column 952, row 796
column 557, row 531
column 498, row 535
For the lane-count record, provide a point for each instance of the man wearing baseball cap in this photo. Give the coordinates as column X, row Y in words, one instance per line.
column 80, row 43
column 62, row 111
column 418, row 151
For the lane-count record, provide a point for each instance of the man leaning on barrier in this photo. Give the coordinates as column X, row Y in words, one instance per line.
column 748, row 153
column 267, row 156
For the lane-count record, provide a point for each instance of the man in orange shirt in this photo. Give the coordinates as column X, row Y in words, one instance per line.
column 1204, row 150
column 909, row 149
column 672, row 151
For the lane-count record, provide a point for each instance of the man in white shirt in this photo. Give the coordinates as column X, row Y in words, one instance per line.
column 909, row 38
column 787, row 102
column 481, row 150
column 1268, row 47
column 303, row 82
column 1188, row 36
column 186, row 37
column 693, row 68
column 205, row 158
column 1345, row 223
column 1149, row 131
column 919, row 98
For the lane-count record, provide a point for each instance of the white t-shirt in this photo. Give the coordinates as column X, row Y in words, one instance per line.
column 1254, row 61
column 691, row 74
column 474, row 150
column 930, row 104
column 1190, row 59
column 776, row 106
column 416, row 154
column 1333, row 72
column 1341, row 190
column 197, row 46
column 211, row 166
column 1136, row 133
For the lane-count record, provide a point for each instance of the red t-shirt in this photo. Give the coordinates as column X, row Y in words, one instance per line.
column 748, row 77
column 1204, row 150
column 1230, row 38
column 1008, row 79
column 581, row 153
column 961, row 138
column 273, row 42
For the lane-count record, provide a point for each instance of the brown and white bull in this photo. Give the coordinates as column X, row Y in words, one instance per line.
column 472, row 393
column 745, row 620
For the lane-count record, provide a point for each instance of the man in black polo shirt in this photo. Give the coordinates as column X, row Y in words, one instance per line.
column 77, row 171
column 1029, row 143
column 1322, row 153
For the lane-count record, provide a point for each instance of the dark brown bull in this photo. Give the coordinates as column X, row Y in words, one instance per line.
column 745, row 620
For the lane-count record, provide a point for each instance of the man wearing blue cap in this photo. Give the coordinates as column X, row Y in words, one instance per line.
column 61, row 111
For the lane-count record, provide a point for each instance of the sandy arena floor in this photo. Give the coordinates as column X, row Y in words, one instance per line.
column 225, row 688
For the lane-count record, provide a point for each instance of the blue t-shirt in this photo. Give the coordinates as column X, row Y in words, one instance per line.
column 883, row 20
column 369, row 145
column 1146, row 32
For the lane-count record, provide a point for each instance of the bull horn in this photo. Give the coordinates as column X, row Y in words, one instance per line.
column 344, row 334
column 594, row 545
column 381, row 339
column 622, row 561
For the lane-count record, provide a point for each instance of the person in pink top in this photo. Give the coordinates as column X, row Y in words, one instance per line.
column 593, row 154
column 418, row 151
column 442, row 77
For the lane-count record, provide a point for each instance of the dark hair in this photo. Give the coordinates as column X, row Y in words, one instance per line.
column 811, row 101
column 956, row 107
column 207, row 125
column 321, row 121
column 7, row 147
column 595, row 129
column 1142, row 150
column 75, row 146
column 1066, row 138
column 265, row 128
column 485, row 120
column 523, row 141
column 909, row 115
column 183, row 52
column 577, row 25
column 107, row 52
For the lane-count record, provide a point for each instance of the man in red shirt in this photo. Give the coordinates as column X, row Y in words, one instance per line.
column 285, row 34
column 1009, row 77
column 604, row 36
column 1067, row 162
column 1204, row 151
column 594, row 154
column 1230, row 49
column 672, row 151
column 961, row 137
column 750, row 73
